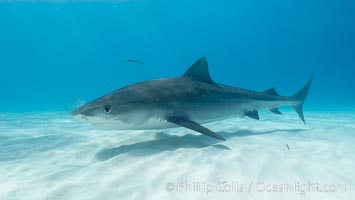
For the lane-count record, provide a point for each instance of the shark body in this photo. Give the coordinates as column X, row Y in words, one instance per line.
column 189, row 101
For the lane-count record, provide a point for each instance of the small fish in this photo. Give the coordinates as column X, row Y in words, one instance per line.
column 135, row 61
column 272, row 81
column 288, row 147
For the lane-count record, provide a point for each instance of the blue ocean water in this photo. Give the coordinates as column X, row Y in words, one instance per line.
column 54, row 54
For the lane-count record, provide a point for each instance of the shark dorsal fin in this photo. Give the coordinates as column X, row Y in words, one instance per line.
column 271, row 91
column 199, row 71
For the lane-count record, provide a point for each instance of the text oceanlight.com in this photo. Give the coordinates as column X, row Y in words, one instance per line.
column 257, row 186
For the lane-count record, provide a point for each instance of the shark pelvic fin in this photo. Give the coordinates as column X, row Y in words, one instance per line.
column 276, row 111
column 181, row 121
column 199, row 71
column 253, row 114
column 271, row 91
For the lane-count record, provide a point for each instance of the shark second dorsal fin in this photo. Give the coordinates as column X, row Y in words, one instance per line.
column 199, row 71
column 276, row 111
column 253, row 114
column 271, row 91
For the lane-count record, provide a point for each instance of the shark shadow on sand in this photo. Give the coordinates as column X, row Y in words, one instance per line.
column 166, row 142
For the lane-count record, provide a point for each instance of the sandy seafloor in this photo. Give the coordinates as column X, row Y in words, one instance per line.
column 52, row 156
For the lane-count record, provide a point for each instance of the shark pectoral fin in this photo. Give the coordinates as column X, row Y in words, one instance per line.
column 181, row 121
column 276, row 111
column 253, row 114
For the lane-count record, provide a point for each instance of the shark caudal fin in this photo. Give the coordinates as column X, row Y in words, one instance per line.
column 299, row 99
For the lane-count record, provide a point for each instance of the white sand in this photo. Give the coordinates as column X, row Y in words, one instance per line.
column 51, row 156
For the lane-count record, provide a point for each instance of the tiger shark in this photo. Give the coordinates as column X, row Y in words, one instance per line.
column 189, row 101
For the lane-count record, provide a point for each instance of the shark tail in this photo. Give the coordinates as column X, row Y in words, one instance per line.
column 299, row 98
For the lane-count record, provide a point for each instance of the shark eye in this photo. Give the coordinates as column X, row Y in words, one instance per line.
column 107, row 109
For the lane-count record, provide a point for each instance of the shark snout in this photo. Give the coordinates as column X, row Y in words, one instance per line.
column 79, row 113
column 75, row 112
column 82, row 110
column 79, row 116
